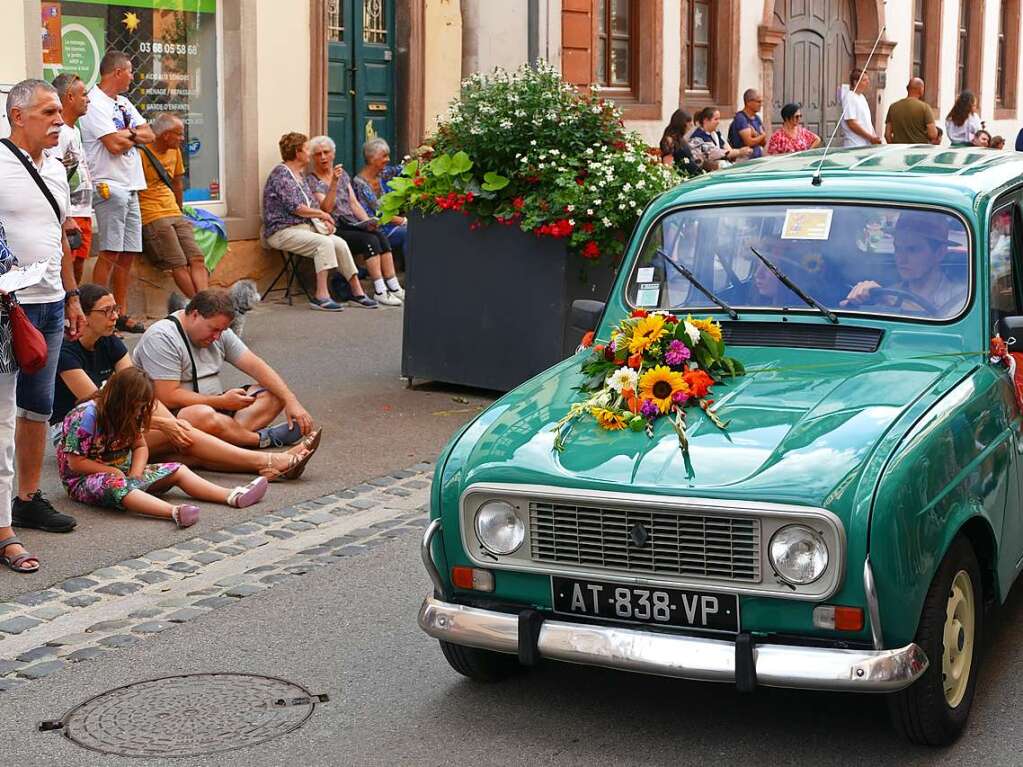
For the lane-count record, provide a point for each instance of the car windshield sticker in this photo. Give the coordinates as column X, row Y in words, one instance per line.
column 648, row 295
column 645, row 274
column 807, row 224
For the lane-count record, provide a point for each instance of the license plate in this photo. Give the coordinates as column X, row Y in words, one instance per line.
column 677, row 608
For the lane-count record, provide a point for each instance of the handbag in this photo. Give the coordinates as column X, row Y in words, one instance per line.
column 318, row 224
column 30, row 350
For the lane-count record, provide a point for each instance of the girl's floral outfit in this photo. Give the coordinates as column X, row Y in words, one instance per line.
column 80, row 436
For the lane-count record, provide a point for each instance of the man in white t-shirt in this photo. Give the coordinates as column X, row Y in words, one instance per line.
column 35, row 234
column 112, row 130
column 857, row 125
column 77, row 226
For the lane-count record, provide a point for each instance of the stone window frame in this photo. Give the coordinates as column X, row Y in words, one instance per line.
column 724, row 67
column 930, row 71
column 1006, row 93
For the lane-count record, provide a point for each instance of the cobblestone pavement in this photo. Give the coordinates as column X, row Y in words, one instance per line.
column 85, row 617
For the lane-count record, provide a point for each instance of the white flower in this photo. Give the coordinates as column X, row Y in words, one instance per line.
column 589, row 211
column 589, row 150
column 571, row 221
column 570, row 208
column 532, row 142
column 623, row 378
column 692, row 331
column 641, row 183
column 506, row 124
column 627, row 187
column 597, row 201
column 606, row 222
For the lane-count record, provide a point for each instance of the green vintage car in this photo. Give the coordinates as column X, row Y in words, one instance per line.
column 862, row 507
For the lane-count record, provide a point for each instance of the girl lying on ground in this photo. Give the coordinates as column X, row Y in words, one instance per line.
column 103, row 459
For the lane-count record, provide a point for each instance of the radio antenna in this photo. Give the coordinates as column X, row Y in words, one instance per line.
column 816, row 181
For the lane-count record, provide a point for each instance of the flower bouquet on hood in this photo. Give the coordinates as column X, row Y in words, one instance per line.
column 655, row 365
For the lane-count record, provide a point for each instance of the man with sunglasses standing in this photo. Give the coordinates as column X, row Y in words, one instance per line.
column 112, row 131
column 78, row 226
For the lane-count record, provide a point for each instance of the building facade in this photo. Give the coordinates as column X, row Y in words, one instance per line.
column 243, row 72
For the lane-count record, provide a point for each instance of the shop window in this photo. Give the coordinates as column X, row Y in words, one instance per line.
column 175, row 58
column 1007, row 60
column 617, row 45
column 709, row 70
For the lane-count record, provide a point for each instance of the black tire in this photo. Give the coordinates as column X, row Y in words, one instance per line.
column 480, row 665
column 921, row 712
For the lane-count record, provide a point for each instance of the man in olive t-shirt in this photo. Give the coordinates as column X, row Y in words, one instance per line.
column 910, row 120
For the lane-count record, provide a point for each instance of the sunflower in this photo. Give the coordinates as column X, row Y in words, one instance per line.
column 659, row 384
column 608, row 419
column 709, row 327
column 647, row 332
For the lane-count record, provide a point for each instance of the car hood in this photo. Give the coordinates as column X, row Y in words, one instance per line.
column 800, row 426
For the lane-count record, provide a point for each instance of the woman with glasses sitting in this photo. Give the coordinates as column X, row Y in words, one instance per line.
column 87, row 363
column 792, row 136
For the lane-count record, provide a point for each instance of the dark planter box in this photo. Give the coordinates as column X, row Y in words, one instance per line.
column 490, row 308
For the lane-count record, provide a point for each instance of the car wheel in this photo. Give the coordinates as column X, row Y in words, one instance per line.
column 933, row 711
column 480, row 665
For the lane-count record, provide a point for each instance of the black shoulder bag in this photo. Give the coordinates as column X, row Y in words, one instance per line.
column 188, row 348
column 35, row 177
column 157, row 166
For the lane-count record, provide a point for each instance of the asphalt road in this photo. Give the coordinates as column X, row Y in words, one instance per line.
column 345, row 369
column 349, row 631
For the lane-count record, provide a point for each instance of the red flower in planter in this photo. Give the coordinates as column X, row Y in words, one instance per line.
column 418, row 181
column 590, row 250
column 518, row 203
column 469, row 196
column 587, row 227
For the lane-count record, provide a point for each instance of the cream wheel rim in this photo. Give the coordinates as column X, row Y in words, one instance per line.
column 958, row 639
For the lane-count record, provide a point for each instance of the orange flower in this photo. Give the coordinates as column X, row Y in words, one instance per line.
column 698, row 381
column 635, row 361
column 588, row 340
column 631, row 400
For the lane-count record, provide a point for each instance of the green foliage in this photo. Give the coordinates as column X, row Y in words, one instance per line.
column 536, row 153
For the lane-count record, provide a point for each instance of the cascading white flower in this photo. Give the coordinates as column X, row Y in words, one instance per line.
column 692, row 331
column 623, row 378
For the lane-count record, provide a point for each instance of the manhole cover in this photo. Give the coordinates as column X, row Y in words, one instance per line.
column 188, row 715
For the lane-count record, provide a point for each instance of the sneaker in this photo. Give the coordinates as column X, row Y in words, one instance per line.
column 325, row 305
column 399, row 293
column 387, row 299
column 364, row 301
column 38, row 513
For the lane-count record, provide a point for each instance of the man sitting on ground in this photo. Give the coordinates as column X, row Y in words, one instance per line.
column 187, row 377
column 167, row 237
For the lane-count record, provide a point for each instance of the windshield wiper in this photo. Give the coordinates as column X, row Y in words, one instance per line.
column 806, row 298
column 698, row 285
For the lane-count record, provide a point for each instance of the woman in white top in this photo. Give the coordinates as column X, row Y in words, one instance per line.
column 962, row 120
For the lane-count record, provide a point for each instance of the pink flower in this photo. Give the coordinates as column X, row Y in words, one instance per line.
column 677, row 353
column 680, row 397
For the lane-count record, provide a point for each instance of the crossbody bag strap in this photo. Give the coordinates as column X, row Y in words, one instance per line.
column 188, row 348
column 157, row 166
column 35, row 177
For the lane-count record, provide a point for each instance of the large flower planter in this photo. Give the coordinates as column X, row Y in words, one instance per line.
column 490, row 307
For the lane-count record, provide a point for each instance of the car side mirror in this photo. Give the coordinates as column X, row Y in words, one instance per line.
column 1011, row 331
column 586, row 314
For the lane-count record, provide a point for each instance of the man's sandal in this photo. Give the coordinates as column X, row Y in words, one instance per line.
column 17, row 563
column 296, row 465
column 246, row 495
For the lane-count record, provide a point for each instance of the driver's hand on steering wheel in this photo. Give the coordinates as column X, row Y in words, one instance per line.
column 860, row 293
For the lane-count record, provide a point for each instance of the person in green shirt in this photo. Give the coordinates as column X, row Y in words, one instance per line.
column 910, row 120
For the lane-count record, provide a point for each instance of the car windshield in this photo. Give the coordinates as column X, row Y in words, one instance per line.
column 850, row 258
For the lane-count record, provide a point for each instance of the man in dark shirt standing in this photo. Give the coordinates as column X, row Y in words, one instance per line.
column 747, row 128
column 910, row 120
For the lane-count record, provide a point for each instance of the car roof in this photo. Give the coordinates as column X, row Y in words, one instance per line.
column 929, row 173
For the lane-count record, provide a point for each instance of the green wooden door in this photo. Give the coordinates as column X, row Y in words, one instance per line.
column 360, row 75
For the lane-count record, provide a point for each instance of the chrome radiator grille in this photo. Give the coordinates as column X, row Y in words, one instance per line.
column 685, row 544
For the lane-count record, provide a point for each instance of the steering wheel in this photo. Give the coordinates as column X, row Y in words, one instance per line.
column 900, row 297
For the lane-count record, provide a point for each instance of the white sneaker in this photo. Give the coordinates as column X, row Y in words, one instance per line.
column 399, row 293
column 387, row 299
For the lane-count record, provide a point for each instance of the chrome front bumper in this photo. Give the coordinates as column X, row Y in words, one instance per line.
column 686, row 657
column 649, row 652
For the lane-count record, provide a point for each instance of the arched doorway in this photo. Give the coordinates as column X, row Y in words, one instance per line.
column 813, row 58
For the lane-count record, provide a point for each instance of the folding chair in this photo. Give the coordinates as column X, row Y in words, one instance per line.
column 290, row 268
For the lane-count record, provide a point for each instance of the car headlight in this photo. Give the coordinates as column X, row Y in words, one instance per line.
column 499, row 528
column 798, row 554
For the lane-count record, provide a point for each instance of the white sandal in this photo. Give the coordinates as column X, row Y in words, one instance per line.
column 246, row 495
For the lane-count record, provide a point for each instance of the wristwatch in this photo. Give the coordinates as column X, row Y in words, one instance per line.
column 69, row 294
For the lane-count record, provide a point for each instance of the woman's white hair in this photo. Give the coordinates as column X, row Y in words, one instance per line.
column 317, row 141
column 373, row 147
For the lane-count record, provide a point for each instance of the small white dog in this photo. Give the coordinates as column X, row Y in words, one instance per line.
column 244, row 294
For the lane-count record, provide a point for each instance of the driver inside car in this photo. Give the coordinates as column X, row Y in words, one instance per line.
column 921, row 243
